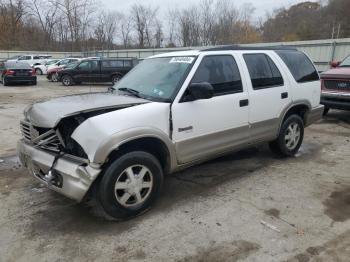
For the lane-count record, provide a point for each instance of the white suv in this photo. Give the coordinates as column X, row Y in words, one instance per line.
column 171, row 111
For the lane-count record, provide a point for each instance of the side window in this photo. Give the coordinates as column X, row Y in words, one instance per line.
column 112, row 63
column 299, row 65
column 64, row 62
column 263, row 71
column 221, row 72
column 127, row 63
column 36, row 57
column 25, row 57
column 84, row 65
column 94, row 65
column 106, row 64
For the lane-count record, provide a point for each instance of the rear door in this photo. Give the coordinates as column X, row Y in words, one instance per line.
column 204, row 128
column 269, row 95
column 110, row 68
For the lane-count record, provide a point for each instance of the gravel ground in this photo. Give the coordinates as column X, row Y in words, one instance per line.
column 247, row 206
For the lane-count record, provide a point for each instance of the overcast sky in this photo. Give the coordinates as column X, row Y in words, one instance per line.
column 262, row 6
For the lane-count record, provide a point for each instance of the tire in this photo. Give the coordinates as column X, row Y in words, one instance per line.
column 34, row 83
column 67, row 80
column 4, row 82
column 38, row 71
column 325, row 111
column 54, row 77
column 123, row 203
column 293, row 128
column 116, row 78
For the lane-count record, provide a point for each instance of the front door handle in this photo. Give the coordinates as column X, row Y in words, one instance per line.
column 244, row 102
column 284, row 95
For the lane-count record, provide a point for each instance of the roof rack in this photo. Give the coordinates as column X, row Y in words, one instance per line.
column 239, row 47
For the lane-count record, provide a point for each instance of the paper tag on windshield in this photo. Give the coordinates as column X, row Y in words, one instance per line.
column 182, row 59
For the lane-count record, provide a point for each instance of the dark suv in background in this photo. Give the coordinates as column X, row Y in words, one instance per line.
column 97, row 70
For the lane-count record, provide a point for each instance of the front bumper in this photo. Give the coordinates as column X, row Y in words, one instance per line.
column 70, row 177
column 314, row 115
column 336, row 100
column 19, row 79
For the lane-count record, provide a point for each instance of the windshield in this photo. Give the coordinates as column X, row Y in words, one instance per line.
column 157, row 78
column 52, row 62
column 346, row 62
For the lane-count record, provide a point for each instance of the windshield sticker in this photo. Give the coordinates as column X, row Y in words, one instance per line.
column 182, row 59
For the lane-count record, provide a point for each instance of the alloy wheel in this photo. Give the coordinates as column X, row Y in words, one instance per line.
column 133, row 186
column 292, row 135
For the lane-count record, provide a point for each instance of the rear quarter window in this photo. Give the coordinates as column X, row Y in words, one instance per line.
column 299, row 65
column 112, row 63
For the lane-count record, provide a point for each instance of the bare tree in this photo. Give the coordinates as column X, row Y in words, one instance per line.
column 125, row 30
column 143, row 21
column 46, row 13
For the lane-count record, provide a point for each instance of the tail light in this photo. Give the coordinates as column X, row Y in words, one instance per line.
column 33, row 72
column 10, row 72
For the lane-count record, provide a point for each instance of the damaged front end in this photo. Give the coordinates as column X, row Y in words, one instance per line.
column 48, row 151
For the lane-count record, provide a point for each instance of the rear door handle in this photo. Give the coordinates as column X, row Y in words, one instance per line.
column 244, row 102
column 284, row 95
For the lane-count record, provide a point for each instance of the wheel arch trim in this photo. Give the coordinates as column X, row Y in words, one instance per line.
column 115, row 141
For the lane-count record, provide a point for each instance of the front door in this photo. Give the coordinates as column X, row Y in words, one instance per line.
column 204, row 128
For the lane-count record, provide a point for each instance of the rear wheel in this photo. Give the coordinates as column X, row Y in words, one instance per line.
column 34, row 82
column 130, row 185
column 67, row 80
column 5, row 82
column 290, row 137
column 38, row 71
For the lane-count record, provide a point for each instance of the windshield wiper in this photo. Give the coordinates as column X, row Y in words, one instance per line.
column 130, row 91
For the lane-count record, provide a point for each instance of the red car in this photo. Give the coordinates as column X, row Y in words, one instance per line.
column 336, row 86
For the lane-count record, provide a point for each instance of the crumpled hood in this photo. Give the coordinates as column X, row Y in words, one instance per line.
column 337, row 73
column 47, row 114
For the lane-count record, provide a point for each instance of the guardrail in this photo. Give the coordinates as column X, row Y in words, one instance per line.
column 320, row 51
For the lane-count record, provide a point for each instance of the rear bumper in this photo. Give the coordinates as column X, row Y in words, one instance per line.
column 336, row 100
column 70, row 177
column 314, row 115
column 17, row 79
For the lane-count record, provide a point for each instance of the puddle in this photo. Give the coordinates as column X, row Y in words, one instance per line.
column 338, row 205
column 225, row 252
column 273, row 212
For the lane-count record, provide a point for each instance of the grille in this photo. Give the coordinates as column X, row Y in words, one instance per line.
column 46, row 139
column 337, row 85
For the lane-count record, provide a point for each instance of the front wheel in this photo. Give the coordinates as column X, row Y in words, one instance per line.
column 54, row 77
column 290, row 137
column 130, row 185
column 67, row 80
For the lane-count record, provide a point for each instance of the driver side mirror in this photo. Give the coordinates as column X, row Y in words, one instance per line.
column 334, row 64
column 198, row 91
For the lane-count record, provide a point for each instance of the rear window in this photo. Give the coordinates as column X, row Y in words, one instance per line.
column 17, row 65
column 299, row 65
